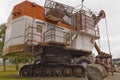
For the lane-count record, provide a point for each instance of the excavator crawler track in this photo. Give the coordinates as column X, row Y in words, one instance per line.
column 53, row 70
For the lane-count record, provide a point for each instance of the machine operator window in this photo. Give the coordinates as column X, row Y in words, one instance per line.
column 39, row 28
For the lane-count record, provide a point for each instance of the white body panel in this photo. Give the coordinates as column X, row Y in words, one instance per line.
column 54, row 34
column 15, row 32
column 30, row 31
column 23, row 30
column 82, row 42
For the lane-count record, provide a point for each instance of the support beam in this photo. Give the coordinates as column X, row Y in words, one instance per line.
column 98, row 49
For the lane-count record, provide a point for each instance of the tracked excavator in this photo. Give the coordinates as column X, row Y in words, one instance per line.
column 60, row 37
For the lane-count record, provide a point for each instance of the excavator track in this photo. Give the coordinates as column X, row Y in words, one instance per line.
column 53, row 70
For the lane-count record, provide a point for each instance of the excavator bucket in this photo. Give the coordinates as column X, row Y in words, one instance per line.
column 96, row 72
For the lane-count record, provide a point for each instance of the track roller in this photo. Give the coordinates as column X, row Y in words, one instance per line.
column 78, row 72
column 47, row 72
column 57, row 72
column 67, row 72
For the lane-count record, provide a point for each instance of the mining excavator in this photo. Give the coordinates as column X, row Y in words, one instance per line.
column 59, row 36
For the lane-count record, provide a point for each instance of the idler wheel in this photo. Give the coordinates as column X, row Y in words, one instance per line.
column 25, row 73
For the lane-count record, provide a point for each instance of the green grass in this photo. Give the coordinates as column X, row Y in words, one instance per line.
column 8, row 68
column 10, row 74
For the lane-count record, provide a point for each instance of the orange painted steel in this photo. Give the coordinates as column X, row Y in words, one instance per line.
column 33, row 10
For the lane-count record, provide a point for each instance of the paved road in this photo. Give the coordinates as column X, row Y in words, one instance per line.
column 115, row 77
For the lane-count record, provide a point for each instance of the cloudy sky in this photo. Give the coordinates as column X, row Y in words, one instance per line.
column 111, row 8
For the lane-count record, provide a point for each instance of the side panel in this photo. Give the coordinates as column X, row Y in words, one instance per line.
column 54, row 34
column 59, row 34
column 22, row 31
column 15, row 32
column 83, row 42
column 33, row 31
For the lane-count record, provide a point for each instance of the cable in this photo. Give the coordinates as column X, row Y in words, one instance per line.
column 109, row 45
column 107, row 36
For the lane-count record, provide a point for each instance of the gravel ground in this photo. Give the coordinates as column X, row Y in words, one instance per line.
column 116, row 76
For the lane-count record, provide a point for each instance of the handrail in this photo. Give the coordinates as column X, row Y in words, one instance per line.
column 31, row 27
column 27, row 33
column 32, row 34
column 50, row 35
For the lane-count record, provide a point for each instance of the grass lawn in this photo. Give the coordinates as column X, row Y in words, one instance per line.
column 10, row 74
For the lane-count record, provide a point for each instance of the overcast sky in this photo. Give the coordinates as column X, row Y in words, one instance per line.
column 111, row 8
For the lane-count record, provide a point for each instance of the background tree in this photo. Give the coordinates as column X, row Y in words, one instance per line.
column 20, row 60
column 2, row 39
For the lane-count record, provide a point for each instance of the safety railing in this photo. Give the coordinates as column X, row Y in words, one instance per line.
column 86, row 24
column 32, row 36
column 56, row 36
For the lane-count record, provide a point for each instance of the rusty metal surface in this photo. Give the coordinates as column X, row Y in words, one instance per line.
column 96, row 72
